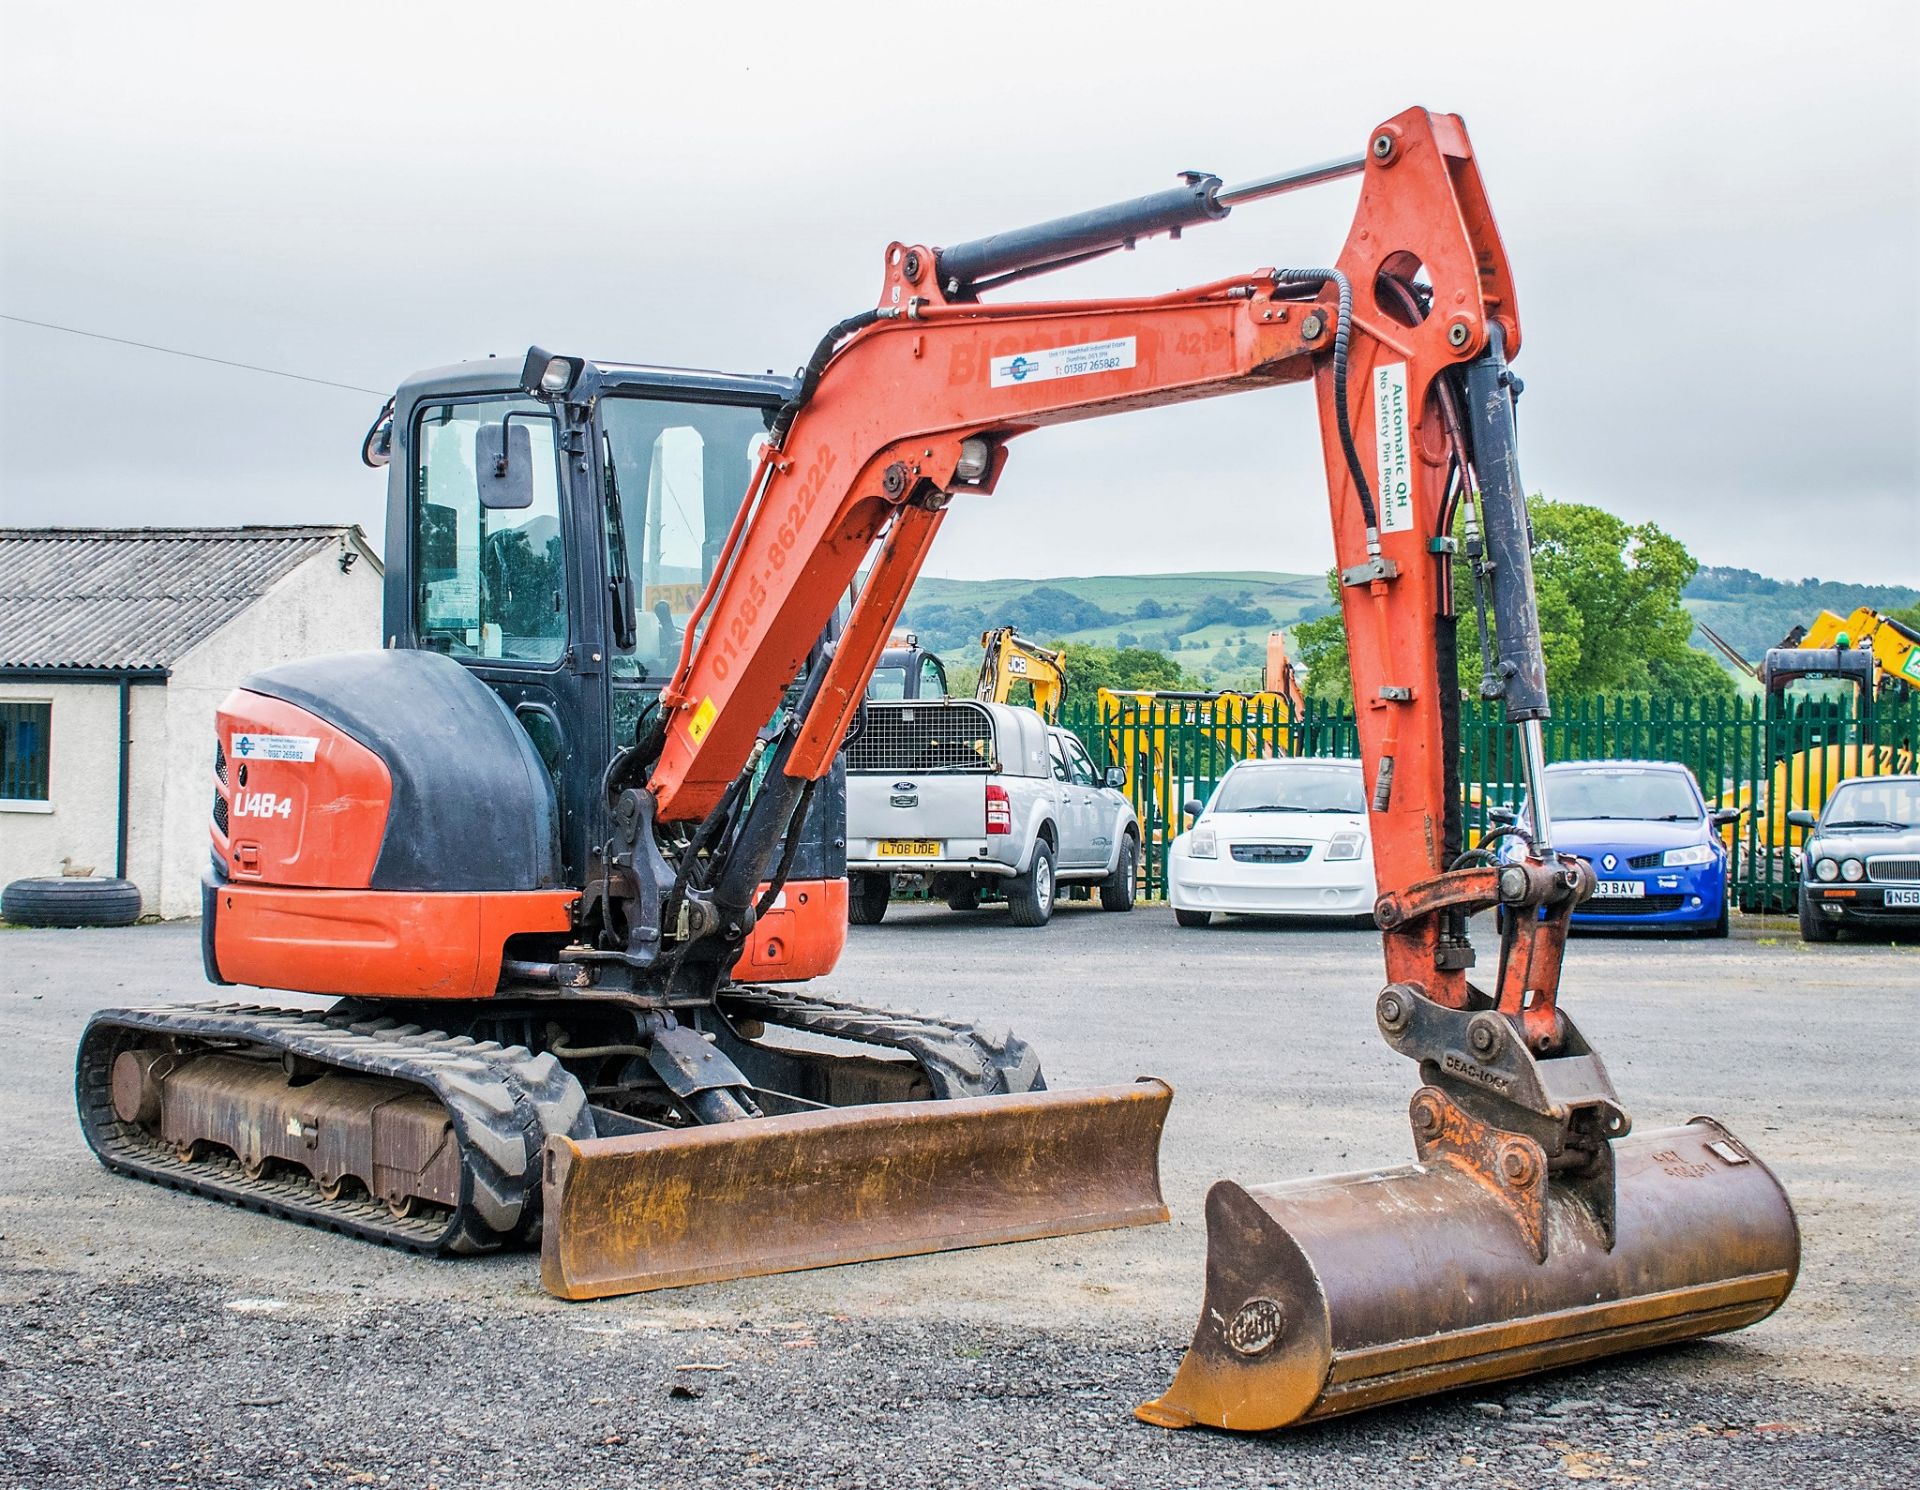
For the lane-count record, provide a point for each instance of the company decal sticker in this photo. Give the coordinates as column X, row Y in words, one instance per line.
column 702, row 720
column 1062, row 362
column 275, row 747
column 1392, row 443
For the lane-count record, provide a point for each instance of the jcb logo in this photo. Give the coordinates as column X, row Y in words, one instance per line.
column 261, row 804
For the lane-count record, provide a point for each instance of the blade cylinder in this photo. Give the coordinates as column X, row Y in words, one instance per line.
column 807, row 1190
column 1327, row 1296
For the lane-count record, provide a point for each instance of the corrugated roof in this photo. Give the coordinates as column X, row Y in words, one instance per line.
column 139, row 597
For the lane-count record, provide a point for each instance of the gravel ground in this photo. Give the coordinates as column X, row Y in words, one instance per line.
column 148, row 1338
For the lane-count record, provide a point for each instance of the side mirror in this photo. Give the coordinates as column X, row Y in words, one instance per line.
column 1117, row 778
column 1194, row 806
column 1801, row 818
column 1506, row 815
column 503, row 465
column 1726, row 817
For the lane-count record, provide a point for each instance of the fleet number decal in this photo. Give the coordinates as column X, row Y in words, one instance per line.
column 261, row 804
column 1391, row 444
column 275, row 747
column 1061, row 362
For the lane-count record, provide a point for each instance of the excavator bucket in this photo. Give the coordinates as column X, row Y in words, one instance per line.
column 1326, row 1296
column 807, row 1190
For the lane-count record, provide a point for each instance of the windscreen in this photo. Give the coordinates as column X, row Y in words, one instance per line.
column 1301, row 787
column 1876, row 802
column 1625, row 793
column 680, row 469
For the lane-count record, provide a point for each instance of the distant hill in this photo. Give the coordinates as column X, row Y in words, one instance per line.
column 1214, row 624
column 1754, row 612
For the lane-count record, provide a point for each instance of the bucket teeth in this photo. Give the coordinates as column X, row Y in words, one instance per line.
column 1328, row 1296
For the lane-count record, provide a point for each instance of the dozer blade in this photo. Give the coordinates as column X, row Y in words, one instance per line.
column 808, row 1190
column 1327, row 1296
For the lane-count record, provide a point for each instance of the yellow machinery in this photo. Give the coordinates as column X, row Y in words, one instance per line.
column 1892, row 646
column 1009, row 660
column 1174, row 745
column 1871, row 653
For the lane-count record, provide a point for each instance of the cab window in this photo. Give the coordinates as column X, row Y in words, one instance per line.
column 1060, row 771
column 489, row 582
column 1080, row 763
column 680, row 470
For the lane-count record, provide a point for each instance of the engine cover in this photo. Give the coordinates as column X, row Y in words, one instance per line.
column 385, row 770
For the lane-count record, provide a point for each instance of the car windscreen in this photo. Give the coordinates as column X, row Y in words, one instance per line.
column 1891, row 802
column 1628, row 793
column 1291, row 788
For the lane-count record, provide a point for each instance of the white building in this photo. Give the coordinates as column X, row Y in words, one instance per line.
column 116, row 647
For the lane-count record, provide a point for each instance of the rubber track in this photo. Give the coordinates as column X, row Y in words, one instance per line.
column 501, row 1100
column 960, row 1059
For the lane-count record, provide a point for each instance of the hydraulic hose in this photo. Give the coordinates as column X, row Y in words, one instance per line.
column 1342, row 336
column 816, row 365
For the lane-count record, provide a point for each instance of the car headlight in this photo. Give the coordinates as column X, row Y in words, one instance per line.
column 1852, row 870
column 1700, row 853
column 1348, row 845
column 1826, row 869
column 1202, row 844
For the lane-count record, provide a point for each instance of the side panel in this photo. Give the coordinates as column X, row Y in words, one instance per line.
column 801, row 937
column 298, row 801
column 374, row 944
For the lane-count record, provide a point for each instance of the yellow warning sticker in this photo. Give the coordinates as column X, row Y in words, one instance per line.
column 702, row 720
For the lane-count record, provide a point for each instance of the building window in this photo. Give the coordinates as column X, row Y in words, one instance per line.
column 23, row 750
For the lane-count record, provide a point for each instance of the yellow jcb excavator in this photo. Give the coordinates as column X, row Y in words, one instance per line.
column 1009, row 660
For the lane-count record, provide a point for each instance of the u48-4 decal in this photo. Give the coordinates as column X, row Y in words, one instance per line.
column 262, row 804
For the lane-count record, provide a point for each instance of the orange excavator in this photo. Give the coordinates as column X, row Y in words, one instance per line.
column 550, row 846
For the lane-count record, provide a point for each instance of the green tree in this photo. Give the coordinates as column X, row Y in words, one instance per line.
column 1090, row 667
column 1611, row 620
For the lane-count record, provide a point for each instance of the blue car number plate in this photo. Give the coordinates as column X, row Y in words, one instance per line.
column 1619, row 890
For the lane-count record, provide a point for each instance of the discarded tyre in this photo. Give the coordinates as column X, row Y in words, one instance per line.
column 61, row 901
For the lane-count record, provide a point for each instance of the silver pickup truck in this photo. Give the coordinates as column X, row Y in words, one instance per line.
column 970, row 796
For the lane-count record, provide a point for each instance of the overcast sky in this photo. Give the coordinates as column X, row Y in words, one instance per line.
column 1710, row 210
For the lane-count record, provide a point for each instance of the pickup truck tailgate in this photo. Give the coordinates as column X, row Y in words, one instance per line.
column 950, row 810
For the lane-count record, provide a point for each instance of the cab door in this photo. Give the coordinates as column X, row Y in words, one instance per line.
column 1076, row 827
column 498, row 586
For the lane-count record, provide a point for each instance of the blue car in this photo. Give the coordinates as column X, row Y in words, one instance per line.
column 1652, row 840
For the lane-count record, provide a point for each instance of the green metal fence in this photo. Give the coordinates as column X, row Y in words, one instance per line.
column 1764, row 759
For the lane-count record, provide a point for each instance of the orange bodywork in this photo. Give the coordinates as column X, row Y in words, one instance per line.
column 376, row 943
column 801, row 937
column 306, row 803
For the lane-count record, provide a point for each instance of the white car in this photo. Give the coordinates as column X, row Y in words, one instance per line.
column 1278, row 838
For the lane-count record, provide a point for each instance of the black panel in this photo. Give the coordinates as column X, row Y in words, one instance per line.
column 822, row 854
column 473, row 807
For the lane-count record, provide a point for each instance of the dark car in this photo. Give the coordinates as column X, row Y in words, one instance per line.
column 1861, row 864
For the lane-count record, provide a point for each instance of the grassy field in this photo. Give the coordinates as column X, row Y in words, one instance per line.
column 949, row 614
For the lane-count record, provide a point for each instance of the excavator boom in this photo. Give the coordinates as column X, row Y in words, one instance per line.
column 1406, row 339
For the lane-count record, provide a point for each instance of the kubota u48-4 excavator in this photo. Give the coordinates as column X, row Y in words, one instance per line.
column 536, row 845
